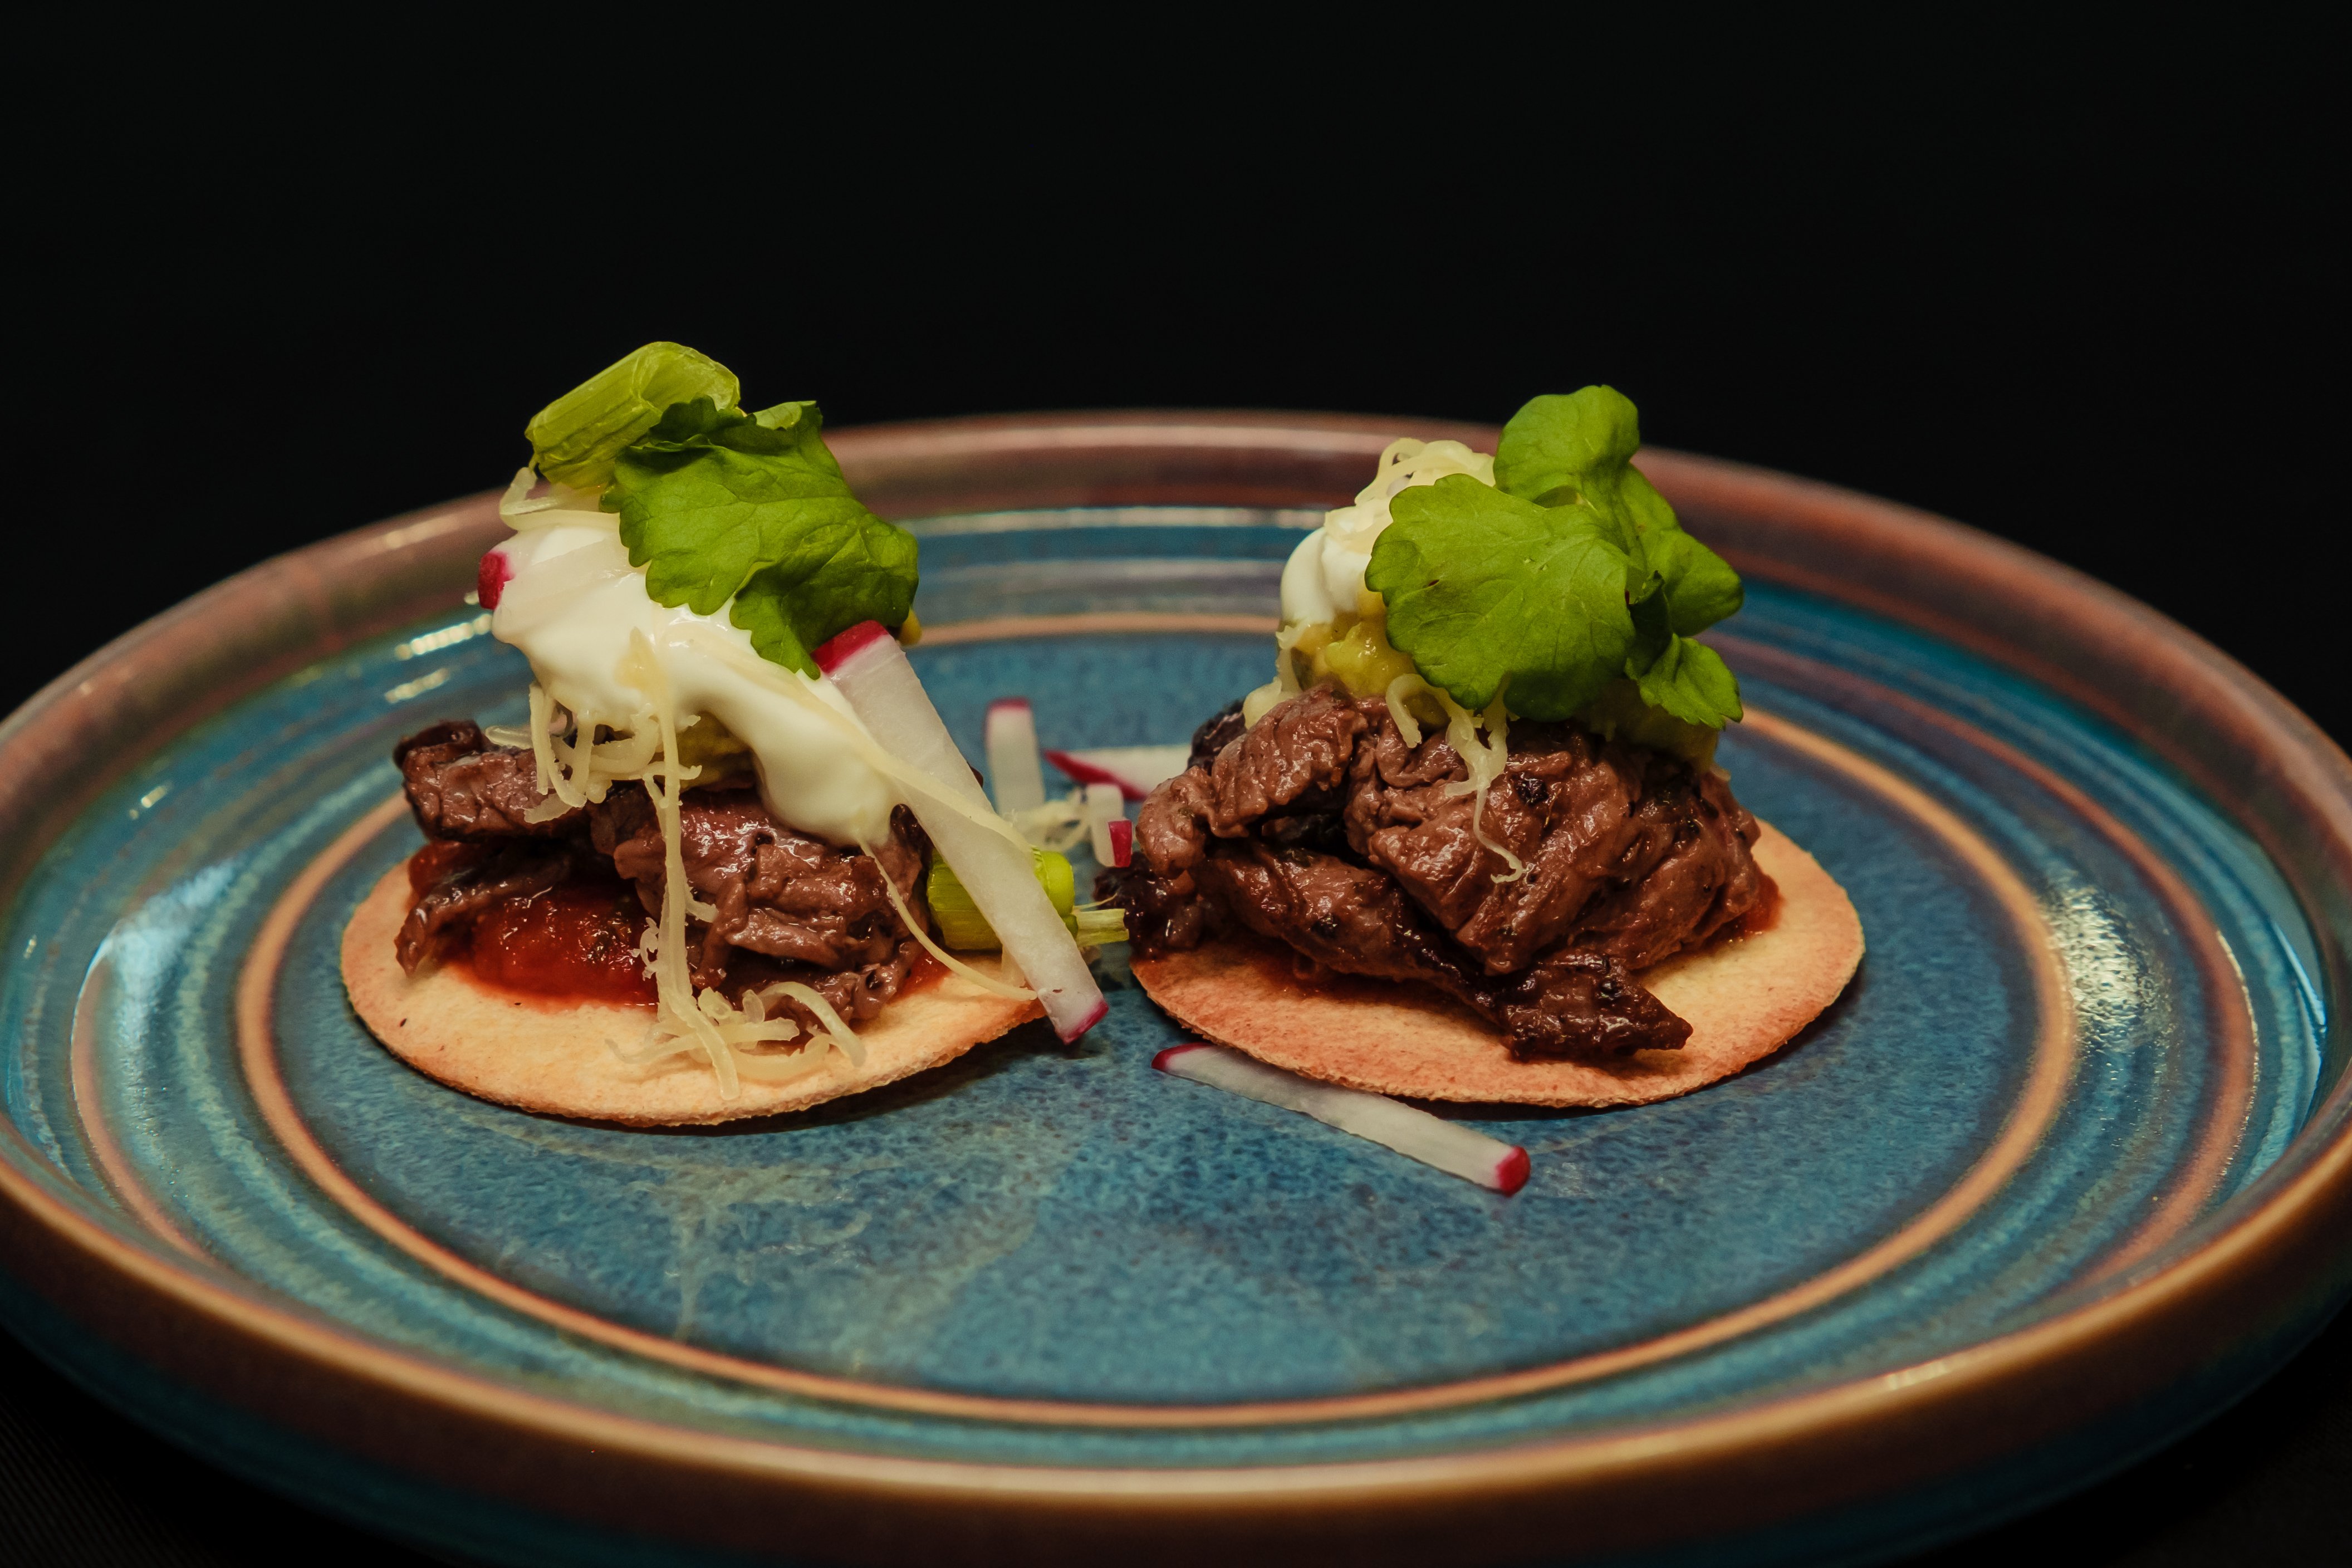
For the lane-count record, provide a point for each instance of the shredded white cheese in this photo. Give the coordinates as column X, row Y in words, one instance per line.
column 685, row 1020
column 1486, row 759
column 1399, row 696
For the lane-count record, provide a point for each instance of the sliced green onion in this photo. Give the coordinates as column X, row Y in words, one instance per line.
column 963, row 927
column 575, row 438
column 1094, row 927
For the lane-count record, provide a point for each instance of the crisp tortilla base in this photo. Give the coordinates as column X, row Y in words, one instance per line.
column 1744, row 999
column 552, row 1057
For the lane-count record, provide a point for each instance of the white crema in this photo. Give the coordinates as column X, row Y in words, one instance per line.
column 1325, row 576
column 572, row 602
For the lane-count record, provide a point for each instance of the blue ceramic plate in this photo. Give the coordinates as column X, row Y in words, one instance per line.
column 2062, row 1171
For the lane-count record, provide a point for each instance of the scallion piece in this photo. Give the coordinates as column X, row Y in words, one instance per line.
column 574, row 439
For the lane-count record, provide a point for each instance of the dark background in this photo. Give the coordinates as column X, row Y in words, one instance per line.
column 2081, row 290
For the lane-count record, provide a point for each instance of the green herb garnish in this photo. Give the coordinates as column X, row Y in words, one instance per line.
column 717, row 504
column 1568, row 574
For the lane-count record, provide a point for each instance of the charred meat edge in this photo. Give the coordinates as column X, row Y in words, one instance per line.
column 1319, row 827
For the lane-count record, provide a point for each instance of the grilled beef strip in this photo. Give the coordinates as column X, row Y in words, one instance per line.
column 461, row 787
column 775, row 893
column 1322, row 828
column 787, row 906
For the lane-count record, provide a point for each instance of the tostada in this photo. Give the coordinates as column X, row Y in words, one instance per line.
column 699, row 883
column 1471, row 842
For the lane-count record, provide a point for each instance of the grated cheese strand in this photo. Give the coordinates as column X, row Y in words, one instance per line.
column 1057, row 824
column 1486, row 759
column 688, row 1021
column 542, row 745
column 581, row 758
column 673, row 982
column 837, row 1033
column 561, row 504
column 1403, row 689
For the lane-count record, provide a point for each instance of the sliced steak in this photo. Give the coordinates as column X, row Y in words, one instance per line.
column 1595, row 825
column 1292, row 762
column 1356, row 920
column 1172, row 837
column 1687, row 874
column 771, row 903
column 1346, row 917
column 858, row 995
column 1577, row 1003
column 461, row 787
column 1322, row 827
column 763, row 887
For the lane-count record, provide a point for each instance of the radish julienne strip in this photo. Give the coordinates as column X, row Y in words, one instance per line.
column 1447, row 1146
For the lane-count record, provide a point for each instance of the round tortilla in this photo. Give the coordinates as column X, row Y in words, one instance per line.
column 554, row 1057
column 1744, row 998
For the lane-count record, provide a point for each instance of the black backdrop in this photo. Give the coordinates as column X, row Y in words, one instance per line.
column 2081, row 292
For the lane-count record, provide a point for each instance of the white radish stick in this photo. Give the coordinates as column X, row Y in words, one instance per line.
column 1416, row 1134
column 871, row 671
column 1104, row 804
column 1010, row 738
column 1136, row 770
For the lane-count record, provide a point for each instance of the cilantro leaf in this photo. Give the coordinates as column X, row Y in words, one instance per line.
column 712, row 497
column 575, row 438
column 1649, row 509
column 1571, row 574
column 1690, row 680
column 1488, row 592
column 1557, row 447
column 1698, row 586
column 715, row 504
column 838, row 575
column 1686, row 679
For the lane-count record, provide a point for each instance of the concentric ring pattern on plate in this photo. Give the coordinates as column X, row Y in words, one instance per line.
column 2092, row 1013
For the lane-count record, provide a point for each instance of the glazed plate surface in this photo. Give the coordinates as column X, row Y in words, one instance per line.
column 1044, row 1299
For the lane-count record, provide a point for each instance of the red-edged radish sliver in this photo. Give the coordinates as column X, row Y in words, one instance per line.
column 1416, row 1134
column 1010, row 738
column 490, row 579
column 995, row 868
column 1104, row 804
column 1134, row 768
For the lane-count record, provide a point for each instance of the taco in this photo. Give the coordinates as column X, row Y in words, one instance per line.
column 1471, row 842
column 700, row 884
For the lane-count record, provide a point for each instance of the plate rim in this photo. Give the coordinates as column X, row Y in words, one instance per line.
column 2270, row 1271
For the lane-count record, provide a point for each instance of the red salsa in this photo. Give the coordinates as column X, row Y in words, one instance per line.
column 924, row 969
column 578, row 940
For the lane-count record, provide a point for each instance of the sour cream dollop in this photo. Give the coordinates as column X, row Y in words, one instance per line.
column 1325, row 577
column 570, row 601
